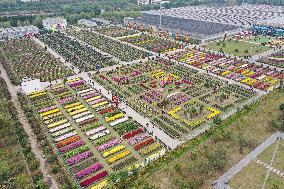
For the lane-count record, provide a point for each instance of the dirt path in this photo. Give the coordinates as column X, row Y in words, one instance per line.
column 32, row 139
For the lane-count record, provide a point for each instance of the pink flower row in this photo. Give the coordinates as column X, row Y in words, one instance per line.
column 89, row 170
column 109, row 144
column 138, row 139
column 72, row 146
column 47, row 109
column 79, row 157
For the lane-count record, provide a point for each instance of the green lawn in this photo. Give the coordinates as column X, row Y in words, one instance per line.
column 238, row 48
column 260, row 39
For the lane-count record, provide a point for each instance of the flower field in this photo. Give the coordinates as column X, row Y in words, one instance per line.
column 275, row 59
column 115, row 48
column 93, row 137
column 155, row 44
column 178, row 99
column 85, row 58
column 116, row 31
column 259, row 77
column 24, row 58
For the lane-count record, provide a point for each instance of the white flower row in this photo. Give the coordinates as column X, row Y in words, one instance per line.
column 88, row 93
column 102, row 107
column 85, row 90
column 118, row 121
column 96, row 101
column 99, row 135
column 84, row 118
column 81, row 114
column 61, row 132
column 96, row 130
column 60, row 127
column 65, row 136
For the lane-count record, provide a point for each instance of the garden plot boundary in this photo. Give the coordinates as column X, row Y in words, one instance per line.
column 222, row 182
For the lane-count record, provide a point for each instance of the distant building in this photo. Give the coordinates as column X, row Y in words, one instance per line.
column 24, row 1
column 101, row 22
column 147, row 2
column 88, row 23
column 143, row 2
column 17, row 32
column 55, row 24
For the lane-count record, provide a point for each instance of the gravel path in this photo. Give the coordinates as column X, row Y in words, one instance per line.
column 32, row 139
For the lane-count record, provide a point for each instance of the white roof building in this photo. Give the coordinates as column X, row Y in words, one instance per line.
column 143, row 2
column 55, row 24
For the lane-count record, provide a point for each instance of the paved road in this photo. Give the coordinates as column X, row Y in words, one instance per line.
column 222, row 182
column 33, row 141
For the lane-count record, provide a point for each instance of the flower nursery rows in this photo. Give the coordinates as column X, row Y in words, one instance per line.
column 93, row 137
column 85, row 58
column 275, row 59
column 263, row 78
column 24, row 58
column 155, row 44
column 115, row 48
column 178, row 99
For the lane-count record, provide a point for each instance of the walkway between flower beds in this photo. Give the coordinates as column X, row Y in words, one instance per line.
column 32, row 139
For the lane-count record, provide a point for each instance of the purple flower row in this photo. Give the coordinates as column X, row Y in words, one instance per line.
column 137, row 139
column 79, row 157
column 89, row 170
column 109, row 144
column 72, row 146
column 47, row 109
column 67, row 99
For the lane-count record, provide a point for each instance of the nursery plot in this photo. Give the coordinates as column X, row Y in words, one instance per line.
column 94, row 138
column 275, row 59
column 24, row 58
column 263, row 78
column 83, row 57
column 155, row 44
column 115, row 48
column 176, row 98
column 116, row 31
column 151, row 43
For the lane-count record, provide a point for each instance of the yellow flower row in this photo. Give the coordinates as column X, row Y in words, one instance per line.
column 113, row 151
column 115, row 117
column 75, row 108
column 46, row 118
column 93, row 98
column 78, row 111
column 118, row 157
column 72, row 105
column 37, row 94
column 57, row 123
column 100, row 104
column 101, row 185
column 72, row 80
column 49, row 112
column 214, row 113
